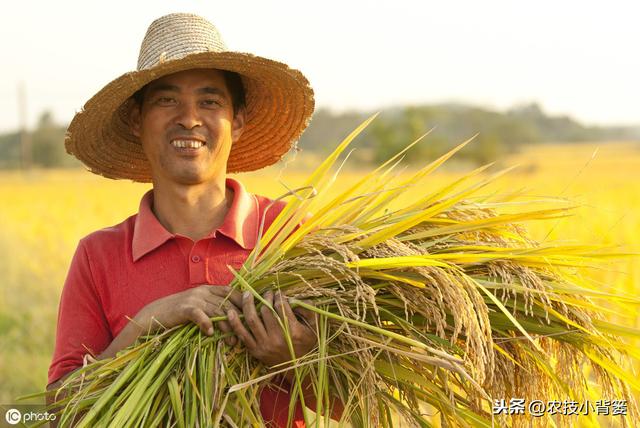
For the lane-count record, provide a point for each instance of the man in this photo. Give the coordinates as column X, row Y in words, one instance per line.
column 192, row 112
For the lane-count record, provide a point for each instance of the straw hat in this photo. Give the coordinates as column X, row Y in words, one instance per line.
column 279, row 101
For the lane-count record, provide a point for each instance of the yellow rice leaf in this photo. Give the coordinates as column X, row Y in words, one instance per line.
column 395, row 229
column 569, row 321
column 385, row 276
column 396, row 262
column 616, row 329
column 629, row 378
column 509, row 357
column 486, row 222
column 377, row 189
column 443, row 192
column 543, row 363
column 508, row 314
column 293, row 213
column 412, row 181
column 328, row 214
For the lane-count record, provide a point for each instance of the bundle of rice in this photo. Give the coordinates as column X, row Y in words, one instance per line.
column 439, row 307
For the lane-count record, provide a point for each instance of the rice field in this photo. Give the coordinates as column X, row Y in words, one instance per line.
column 45, row 213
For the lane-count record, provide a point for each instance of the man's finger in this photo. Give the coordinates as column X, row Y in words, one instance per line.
column 277, row 305
column 199, row 317
column 252, row 319
column 213, row 309
column 306, row 316
column 284, row 310
column 268, row 318
column 227, row 293
column 220, row 304
column 240, row 330
column 225, row 327
column 286, row 314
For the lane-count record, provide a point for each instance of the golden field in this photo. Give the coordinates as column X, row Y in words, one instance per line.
column 45, row 213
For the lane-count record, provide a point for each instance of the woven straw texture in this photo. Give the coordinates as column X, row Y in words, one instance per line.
column 279, row 101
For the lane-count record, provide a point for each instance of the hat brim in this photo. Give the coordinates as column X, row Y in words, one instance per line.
column 279, row 105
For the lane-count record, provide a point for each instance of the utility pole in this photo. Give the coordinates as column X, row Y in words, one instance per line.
column 25, row 137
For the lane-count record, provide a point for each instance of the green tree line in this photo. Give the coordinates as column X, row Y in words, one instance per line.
column 47, row 146
column 497, row 132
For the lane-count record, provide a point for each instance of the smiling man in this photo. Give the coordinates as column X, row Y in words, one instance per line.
column 191, row 113
column 187, row 123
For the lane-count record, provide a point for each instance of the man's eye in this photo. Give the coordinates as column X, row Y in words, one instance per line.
column 165, row 100
column 211, row 102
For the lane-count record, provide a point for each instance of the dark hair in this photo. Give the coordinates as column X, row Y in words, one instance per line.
column 236, row 89
column 234, row 86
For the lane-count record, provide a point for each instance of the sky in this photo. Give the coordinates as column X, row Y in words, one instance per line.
column 577, row 58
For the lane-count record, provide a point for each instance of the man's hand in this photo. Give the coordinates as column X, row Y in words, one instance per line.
column 264, row 338
column 197, row 305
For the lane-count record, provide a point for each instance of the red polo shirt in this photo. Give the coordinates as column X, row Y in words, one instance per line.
column 116, row 271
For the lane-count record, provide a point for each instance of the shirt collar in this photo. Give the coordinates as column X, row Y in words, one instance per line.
column 240, row 224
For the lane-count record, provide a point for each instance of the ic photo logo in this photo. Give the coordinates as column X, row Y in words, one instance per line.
column 27, row 414
column 13, row 416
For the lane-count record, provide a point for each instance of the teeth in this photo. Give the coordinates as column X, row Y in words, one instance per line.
column 192, row 144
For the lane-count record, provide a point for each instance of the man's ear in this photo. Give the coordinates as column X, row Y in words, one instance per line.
column 237, row 126
column 135, row 119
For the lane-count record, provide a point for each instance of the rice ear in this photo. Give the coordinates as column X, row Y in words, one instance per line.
column 442, row 305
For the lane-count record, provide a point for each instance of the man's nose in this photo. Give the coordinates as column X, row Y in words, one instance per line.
column 189, row 116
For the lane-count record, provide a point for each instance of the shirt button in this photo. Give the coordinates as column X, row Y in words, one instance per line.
column 195, row 259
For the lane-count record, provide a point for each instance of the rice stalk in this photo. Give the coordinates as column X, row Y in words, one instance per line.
column 441, row 306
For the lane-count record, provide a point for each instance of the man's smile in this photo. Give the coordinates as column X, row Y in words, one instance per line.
column 187, row 143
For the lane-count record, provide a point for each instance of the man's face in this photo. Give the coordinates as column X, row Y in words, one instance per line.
column 186, row 126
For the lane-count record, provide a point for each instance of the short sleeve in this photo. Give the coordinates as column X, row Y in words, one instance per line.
column 82, row 325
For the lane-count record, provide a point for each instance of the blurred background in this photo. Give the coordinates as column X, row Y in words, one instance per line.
column 515, row 72
column 551, row 86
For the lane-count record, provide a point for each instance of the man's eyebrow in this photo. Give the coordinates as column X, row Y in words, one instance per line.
column 173, row 88
column 211, row 90
column 163, row 87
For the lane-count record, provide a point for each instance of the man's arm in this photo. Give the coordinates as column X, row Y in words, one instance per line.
column 195, row 305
